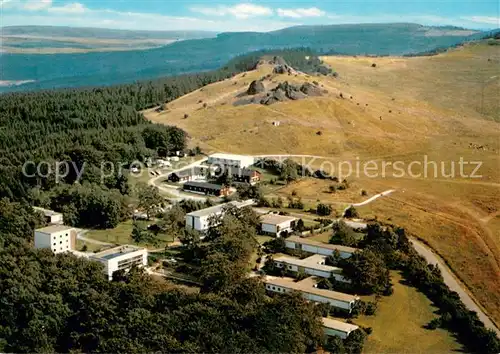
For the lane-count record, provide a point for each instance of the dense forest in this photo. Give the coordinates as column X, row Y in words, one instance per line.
column 91, row 126
column 60, row 303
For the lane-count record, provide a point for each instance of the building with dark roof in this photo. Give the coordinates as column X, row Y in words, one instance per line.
column 206, row 188
column 188, row 174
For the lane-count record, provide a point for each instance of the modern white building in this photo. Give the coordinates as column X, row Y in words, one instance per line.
column 121, row 258
column 51, row 216
column 311, row 246
column 57, row 238
column 337, row 328
column 231, row 160
column 314, row 265
column 200, row 219
column 310, row 292
column 274, row 224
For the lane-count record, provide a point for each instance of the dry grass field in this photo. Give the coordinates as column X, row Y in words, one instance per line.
column 401, row 110
column 409, row 311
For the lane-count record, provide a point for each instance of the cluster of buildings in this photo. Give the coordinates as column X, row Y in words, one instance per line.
column 314, row 266
column 236, row 167
column 60, row 238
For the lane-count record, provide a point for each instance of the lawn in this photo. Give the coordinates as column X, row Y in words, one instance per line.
column 398, row 325
column 323, row 237
column 91, row 247
column 121, row 234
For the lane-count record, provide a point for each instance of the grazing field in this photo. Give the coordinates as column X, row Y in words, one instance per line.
column 442, row 109
column 398, row 325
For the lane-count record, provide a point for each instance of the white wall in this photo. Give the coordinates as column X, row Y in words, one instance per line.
column 111, row 265
column 333, row 302
column 57, row 242
column 312, row 297
column 269, row 228
column 56, row 218
column 334, row 332
column 241, row 162
column 316, row 250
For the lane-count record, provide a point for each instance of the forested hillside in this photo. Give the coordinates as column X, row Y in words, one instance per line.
column 92, row 127
column 61, row 303
column 90, row 69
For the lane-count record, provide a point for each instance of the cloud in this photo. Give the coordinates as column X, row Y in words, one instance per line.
column 72, row 8
column 241, row 11
column 37, row 5
column 491, row 20
column 108, row 18
column 301, row 12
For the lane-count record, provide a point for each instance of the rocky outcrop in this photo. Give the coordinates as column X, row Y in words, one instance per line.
column 310, row 89
column 256, row 87
column 283, row 92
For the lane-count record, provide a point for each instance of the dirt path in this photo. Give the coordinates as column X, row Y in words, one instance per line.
column 453, row 283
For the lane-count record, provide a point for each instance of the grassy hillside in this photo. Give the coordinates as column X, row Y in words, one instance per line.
column 401, row 110
column 88, row 69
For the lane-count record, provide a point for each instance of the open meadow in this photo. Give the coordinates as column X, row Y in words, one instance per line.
column 442, row 108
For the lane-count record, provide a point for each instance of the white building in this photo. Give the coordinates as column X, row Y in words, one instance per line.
column 337, row 328
column 275, row 224
column 57, row 238
column 314, row 265
column 200, row 219
column 121, row 258
column 310, row 292
column 51, row 216
column 231, row 160
column 311, row 246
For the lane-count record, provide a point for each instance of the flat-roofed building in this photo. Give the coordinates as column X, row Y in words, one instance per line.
column 311, row 246
column 199, row 219
column 57, row 238
column 314, row 265
column 121, row 258
column 274, row 224
column 230, row 160
column 51, row 216
column 337, row 328
column 339, row 300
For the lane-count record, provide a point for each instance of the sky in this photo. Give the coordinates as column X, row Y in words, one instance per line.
column 256, row 15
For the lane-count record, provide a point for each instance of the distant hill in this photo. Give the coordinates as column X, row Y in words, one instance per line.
column 61, row 31
column 106, row 68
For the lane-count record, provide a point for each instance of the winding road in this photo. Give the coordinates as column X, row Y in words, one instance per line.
column 423, row 250
column 453, row 283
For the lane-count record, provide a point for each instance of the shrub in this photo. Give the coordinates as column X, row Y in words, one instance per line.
column 351, row 212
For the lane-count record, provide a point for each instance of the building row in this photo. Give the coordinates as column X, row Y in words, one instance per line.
column 197, row 173
column 311, row 292
column 315, row 247
column 313, row 265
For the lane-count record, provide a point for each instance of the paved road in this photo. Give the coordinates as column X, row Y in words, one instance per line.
column 453, row 283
